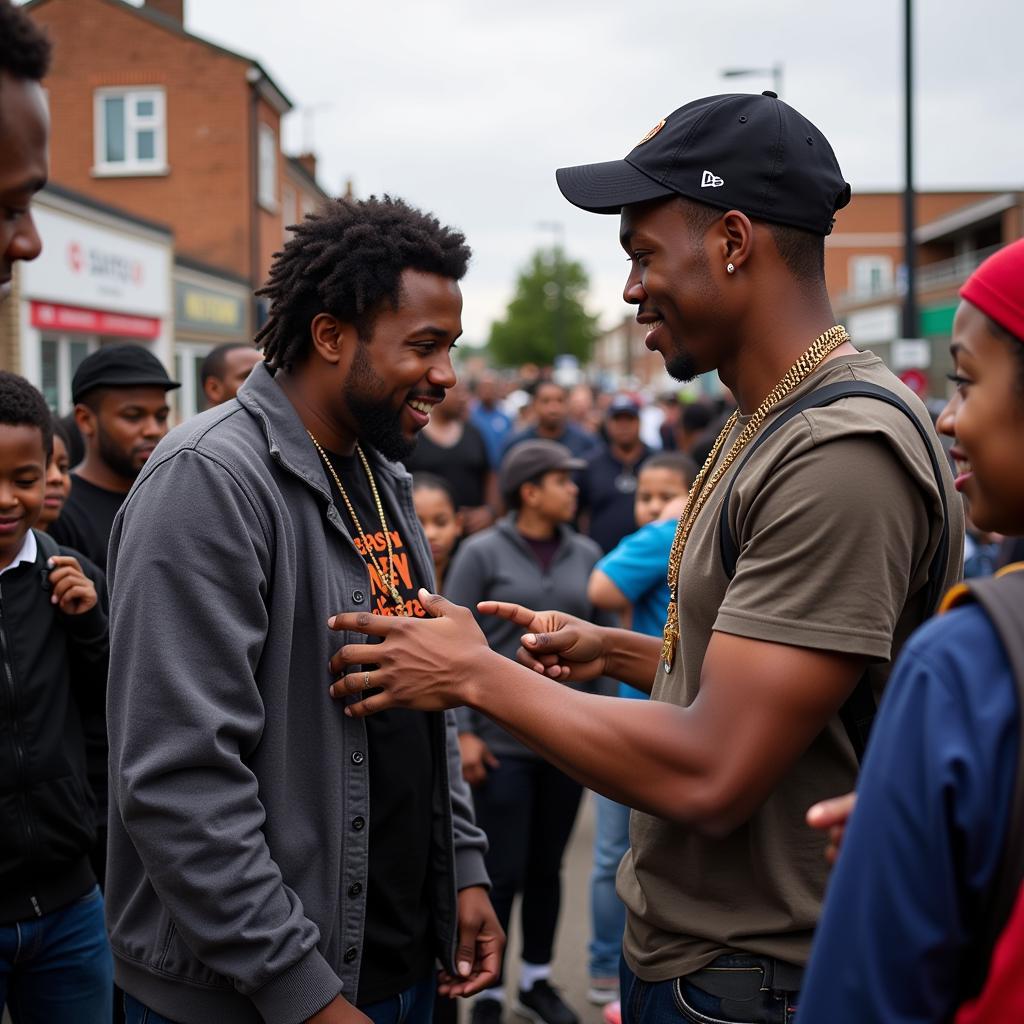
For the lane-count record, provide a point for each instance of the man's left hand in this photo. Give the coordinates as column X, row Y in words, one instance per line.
column 427, row 664
column 480, row 948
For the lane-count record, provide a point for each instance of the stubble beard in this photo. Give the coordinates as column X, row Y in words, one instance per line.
column 115, row 457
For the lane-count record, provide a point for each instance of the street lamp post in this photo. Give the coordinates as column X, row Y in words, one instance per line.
column 775, row 71
column 557, row 229
column 909, row 254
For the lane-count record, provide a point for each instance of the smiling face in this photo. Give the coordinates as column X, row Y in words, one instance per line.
column 22, row 485
column 395, row 378
column 670, row 281
column 58, row 484
column 985, row 417
column 24, row 129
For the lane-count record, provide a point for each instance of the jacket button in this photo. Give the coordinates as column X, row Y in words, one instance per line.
column 358, row 596
column 350, row 954
column 355, row 889
column 358, row 823
column 358, row 757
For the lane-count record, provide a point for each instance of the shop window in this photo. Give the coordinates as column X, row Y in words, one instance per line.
column 268, row 168
column 130, row 131
column 60, row 356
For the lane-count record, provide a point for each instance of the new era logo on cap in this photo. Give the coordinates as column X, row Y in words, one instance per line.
column 709, row 180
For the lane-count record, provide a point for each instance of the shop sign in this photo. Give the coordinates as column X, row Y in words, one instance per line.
column 94, row 267
column 50, row 317
column 207, row 311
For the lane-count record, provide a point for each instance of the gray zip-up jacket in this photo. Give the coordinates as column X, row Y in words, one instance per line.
column 497, row 564
column 239, row 790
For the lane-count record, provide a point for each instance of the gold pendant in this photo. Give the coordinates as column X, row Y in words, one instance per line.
column 668, row 648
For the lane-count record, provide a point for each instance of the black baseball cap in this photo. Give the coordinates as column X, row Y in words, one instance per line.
column 530, row 459
column 120, row 366
column 738, row 151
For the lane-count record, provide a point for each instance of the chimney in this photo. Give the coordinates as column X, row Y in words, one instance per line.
column 308, row 160
column 173, row 9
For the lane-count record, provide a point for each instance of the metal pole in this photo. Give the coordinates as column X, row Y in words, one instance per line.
column 909, row 253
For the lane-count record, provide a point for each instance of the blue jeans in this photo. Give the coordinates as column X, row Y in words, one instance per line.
column 678, row 1000
column 607, row 914
column 58, row 967
column 413, row 1006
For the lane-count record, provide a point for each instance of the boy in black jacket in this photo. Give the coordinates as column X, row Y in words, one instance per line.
column 55, row 962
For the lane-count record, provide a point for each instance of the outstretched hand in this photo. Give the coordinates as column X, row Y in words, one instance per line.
column 557, row 645
column 832, row 815
column 428, row 664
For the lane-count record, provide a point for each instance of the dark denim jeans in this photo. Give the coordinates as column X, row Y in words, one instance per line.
column 58, row 967
column 669, row 1002
column 413, row 1006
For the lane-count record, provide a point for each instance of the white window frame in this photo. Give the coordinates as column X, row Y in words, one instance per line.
column 189, row 398
column 266, row 155
column 861, row 270
column 133, row 123
column 64, row 372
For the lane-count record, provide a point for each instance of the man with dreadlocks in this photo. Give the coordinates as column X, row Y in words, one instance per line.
column 271, row 857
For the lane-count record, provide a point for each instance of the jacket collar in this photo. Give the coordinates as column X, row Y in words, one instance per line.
column 287, row 439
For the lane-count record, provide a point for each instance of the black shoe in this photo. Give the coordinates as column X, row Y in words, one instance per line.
column 486, row 1011
column 544, row 1005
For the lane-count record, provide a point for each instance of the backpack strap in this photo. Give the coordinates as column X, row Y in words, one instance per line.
column 1002, row 598
column 858, row 712
column 50, row 549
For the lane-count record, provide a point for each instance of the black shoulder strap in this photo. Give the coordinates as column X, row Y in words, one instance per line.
column 47, row 544
column 1002, row 597
column 858, row 712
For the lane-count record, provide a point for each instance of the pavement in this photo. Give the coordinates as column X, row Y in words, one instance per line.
column 569, row 969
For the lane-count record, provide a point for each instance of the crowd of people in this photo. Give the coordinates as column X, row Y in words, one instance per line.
column 302, row 694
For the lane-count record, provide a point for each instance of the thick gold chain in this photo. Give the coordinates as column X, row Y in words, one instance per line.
column 386, row 579
column 700, row 492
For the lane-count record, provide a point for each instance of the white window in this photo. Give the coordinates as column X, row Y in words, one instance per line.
column 268, row 168
column 129, row 131
column 188, row 362
column 870, row 275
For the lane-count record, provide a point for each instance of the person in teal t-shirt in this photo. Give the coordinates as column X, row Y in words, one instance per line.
column 632, row 581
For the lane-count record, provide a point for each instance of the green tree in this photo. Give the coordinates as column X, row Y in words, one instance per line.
column 546, row 316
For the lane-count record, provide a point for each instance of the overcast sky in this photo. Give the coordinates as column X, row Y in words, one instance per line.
column 466, row 107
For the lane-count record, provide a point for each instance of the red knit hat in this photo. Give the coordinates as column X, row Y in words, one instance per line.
column 997, row 288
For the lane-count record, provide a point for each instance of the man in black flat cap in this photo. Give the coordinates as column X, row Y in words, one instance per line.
column 120, row 395
column 800, row 566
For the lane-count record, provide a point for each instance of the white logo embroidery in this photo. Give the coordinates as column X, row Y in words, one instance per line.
column 710, row 180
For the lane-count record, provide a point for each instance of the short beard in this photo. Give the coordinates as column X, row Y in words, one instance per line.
column 379, row 424
column 681, row 367
column 114, row 457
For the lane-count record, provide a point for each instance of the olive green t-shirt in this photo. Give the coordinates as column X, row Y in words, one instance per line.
column 836, row 517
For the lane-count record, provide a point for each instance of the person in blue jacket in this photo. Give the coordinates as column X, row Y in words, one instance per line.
column 919, row 857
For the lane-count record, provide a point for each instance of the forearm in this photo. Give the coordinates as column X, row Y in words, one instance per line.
column 670, row 760
column 632, row 657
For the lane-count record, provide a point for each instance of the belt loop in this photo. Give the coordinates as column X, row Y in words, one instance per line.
column 768, row 976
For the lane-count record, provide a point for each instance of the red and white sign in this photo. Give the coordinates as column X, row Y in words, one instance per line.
column 87, row 265
column 916, row 380
column 52, row 317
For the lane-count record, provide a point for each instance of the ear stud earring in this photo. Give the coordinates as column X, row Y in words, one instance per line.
column 731, row 268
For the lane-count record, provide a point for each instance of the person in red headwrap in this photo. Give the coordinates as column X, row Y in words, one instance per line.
column 924, row 918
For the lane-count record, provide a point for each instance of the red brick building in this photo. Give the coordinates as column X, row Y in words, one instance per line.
column 163, row 125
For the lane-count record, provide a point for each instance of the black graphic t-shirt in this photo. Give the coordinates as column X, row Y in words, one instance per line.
column 398, row 946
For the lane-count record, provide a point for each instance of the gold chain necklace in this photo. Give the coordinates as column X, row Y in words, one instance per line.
column 387, row 579
column 701, row 492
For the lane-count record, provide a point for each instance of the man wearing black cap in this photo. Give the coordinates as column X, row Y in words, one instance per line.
column 120, row 396
column 799, row 567
column 608, row 481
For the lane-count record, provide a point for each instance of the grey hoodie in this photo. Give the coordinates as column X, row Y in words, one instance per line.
column 239, row 790
column 497, row 564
